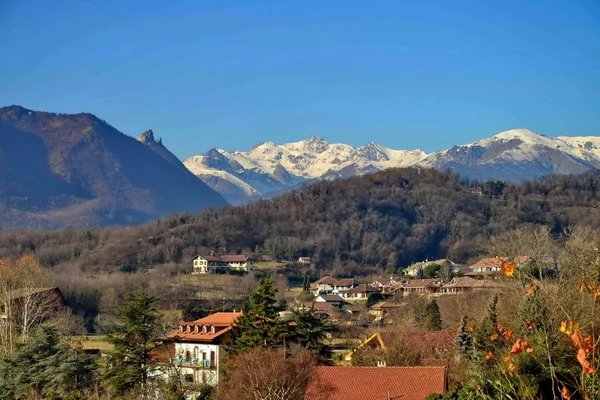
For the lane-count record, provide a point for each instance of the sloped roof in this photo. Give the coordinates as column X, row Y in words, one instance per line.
column 466, row 282
column 226, row 258
column 322, row 306
column 345, row 282
column 418, row 283
column 326, row 280
column 373, row 383
column 490, row 261
column 223, row 321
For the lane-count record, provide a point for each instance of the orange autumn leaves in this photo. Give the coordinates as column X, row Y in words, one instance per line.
column 507, row 268
column 518, row 347
column 584, row 345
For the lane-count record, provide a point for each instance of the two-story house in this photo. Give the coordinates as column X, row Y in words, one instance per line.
column 211, row 264
column 492, row 266
column 198, row 347
column 324, row 285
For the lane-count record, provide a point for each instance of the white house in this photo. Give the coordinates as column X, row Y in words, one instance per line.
column 198, row 347
column 304, row 260
column 210, row 264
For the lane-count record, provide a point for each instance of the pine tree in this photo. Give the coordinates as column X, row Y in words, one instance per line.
column 133, row 339
column 432, row 318
column 310, row 332
column 259, row 325
column 464, row 339
column 46, row 368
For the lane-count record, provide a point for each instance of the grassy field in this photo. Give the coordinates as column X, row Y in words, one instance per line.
column 99, row 342
column 269, row 265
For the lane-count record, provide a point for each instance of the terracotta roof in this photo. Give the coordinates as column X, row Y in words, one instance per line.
column 483, row 273
column 466, row 282
column 305, row 258
column 327, row 280
column 226, row 258
column 345, row 282
column 222, row 321
column 419, row 283
column 373, row 383
column 487, row 262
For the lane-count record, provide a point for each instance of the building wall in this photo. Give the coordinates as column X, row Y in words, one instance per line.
column 200, row 351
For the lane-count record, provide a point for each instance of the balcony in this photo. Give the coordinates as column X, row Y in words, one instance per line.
column 194, row 362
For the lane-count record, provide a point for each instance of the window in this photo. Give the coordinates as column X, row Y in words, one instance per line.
column 196, row 329
column 204, row 329
column 187, row 329
column 212, row 330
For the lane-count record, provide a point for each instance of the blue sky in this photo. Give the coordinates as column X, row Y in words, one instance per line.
column 229, row 73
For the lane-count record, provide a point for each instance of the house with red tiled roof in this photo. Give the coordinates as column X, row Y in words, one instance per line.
column 465, row 284
column 382, row 308
column 358, row 292
column 421, row 286
column 211, row 264
column 375, row 383
column 198, row 347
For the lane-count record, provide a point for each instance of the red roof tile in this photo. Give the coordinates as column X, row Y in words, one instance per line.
column 222, row 321
column 373, row 383
column 419, row 283
column 327, row 280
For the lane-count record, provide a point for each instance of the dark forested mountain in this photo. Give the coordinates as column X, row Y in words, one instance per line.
column 383, row 220
column 76, row 170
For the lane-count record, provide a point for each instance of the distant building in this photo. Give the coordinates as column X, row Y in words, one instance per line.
column 491, row 267
column 414, row 269
column 212, row 264
column 466, row 284
column 304, row 260
column 421, row 286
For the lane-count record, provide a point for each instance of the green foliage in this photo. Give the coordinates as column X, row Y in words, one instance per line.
column 46, row 367
column 432, row 318
column 464, row 339
column 431, row 270
column 310, row 331
column 259, row 325
column 133, row 339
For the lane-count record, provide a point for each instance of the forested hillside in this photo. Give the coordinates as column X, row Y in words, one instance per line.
column 376, row 221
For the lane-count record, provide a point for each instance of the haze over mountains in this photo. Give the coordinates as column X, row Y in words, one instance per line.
column 61, row 170
column 269, row 169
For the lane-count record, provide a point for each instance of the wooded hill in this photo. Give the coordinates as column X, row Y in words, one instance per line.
column 377, row 221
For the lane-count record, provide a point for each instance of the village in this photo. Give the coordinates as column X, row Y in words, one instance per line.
column 365, row 307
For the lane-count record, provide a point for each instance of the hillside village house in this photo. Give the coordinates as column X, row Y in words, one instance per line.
column 421, row 286
column 212, row 264
column 491, row 266
column 466, row 284
column 304, row 260
column 198, row 347
column 414, row 269
column 358, row 292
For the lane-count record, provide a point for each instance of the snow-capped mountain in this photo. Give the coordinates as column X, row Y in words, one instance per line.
column 270, row 169
column 519, row 154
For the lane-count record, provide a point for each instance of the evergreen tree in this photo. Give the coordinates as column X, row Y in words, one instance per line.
column 133, row 339
column 488, row 327
column 464, row 339
column 258, row 324
column 432, row 318
column 310, row 332
column 46, row 368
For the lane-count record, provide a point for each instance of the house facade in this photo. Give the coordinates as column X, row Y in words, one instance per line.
column 466, row 284
column 421, row 286
column 198, row 347
column 491, row 267
column 212, row 264
column 304, row 260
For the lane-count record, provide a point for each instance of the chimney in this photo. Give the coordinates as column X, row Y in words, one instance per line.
column 381, row 364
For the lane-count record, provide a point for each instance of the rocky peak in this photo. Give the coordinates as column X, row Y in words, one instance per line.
column 148, row 138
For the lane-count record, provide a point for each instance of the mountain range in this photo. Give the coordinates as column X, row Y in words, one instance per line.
column 269, row 169
column 76, row 170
